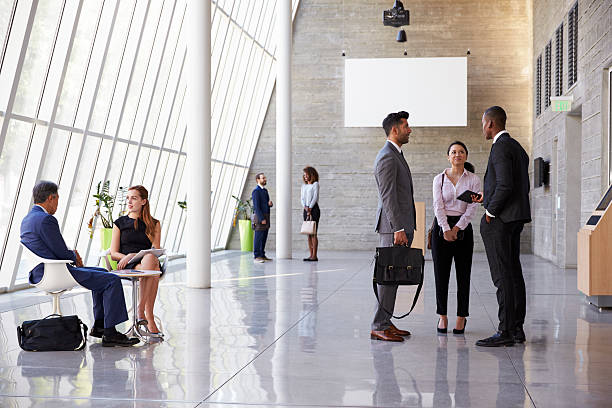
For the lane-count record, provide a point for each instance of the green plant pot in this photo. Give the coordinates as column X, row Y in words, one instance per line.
column 246, row 235
column 105, row 238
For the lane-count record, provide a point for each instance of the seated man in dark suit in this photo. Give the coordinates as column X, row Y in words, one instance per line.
column 40, row 233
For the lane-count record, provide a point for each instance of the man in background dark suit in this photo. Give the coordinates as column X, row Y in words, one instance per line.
column 506, row 202
column 396, row 214
column 261, row 207
column 40, row 233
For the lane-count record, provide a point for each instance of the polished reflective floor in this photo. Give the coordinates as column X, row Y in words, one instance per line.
column 290, row 333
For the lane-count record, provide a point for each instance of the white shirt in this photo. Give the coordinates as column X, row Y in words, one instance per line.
column 399, row 149
column 310, row 194
column 495, row 140
column 42, row 208
column 499, row 134
column 445, row 201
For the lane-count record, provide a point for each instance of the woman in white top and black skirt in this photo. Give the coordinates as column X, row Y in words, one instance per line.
column 310, row 202
column 452, row 235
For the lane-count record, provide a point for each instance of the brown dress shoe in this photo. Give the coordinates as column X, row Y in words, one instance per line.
column 398, row 332
column 385, row 335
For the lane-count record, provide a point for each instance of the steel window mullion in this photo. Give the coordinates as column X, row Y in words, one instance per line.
column 231, row 85
column 241, row 88
column 141, row 92
column 170, row 200
column 59, row 90
column 29, row 120
column 227, row 201
column 257, row 79
column 144, row 128
column 28, row 149
column 214, row 81
column 76, row 110
column 125, row 44
column 163, row 95
column 110, row 158
column 168, row 121
column 180, row 112
column 9, row 108
column 127, row 92
column 88, row 123
column 240, row 45
column 18, row 71
column 242, row 28
column 8, row 35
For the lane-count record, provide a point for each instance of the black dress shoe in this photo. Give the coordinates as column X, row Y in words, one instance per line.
column 96, row 332
column 519, row 335
column 118, row 339
column 499, row 339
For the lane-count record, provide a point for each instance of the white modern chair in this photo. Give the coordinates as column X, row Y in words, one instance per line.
column 56, row 279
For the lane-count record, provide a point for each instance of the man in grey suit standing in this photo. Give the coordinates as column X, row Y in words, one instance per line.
column 396, row 215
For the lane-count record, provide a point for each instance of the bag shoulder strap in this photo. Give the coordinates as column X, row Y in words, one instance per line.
column 414, row 301
column 84, row 342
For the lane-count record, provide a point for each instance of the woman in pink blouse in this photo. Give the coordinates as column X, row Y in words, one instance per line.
column 452, row 236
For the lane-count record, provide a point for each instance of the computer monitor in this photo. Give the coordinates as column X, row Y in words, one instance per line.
column 605, row 201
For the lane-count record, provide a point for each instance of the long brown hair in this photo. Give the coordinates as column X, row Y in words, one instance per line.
column 145, row 213
column 313, row 175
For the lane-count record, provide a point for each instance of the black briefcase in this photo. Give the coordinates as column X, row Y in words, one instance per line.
column 399, row 265
column 53, row 333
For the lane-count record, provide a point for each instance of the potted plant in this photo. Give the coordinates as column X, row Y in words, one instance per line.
column 105, row 204
column 242, row 214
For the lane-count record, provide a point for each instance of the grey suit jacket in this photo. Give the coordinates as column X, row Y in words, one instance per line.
column 396, row 209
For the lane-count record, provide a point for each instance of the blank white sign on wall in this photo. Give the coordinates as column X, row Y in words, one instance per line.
column 432, row 90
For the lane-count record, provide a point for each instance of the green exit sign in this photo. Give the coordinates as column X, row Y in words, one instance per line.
column 561, row 103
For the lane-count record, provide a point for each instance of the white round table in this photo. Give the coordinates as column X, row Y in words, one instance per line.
column 134, row 276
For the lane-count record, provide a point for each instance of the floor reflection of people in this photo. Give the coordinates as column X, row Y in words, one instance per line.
column 511, row 394
column 442, row 397
column 146, row 382
column 307, row 325
column 107, row 378
column 462, row 378
column 387, row 391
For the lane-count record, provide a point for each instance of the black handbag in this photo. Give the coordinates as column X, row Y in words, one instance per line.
column 398, row 265
column 53, row 333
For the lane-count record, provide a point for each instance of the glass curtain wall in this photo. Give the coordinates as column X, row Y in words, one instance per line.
column 94, row 90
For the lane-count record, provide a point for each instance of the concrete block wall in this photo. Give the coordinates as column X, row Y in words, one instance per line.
column 498, row 34
column 576, row 144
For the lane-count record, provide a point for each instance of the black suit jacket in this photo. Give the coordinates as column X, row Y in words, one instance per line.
column 506, row 182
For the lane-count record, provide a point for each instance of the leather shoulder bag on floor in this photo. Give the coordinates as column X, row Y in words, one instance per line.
column 53, row 333
column 399, row 265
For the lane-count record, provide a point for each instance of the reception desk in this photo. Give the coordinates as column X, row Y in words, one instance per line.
column 420, row 233
column 594, row 254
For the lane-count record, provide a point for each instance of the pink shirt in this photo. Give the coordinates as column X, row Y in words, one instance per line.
column 445, row 199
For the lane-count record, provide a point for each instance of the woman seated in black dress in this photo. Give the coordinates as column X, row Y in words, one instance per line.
column 132, row 233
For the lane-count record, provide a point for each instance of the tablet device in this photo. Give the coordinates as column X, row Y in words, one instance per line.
column 467, row 196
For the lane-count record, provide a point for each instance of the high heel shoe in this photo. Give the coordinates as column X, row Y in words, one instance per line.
column 141, row 322
column 457, row 331
column 443, row 330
